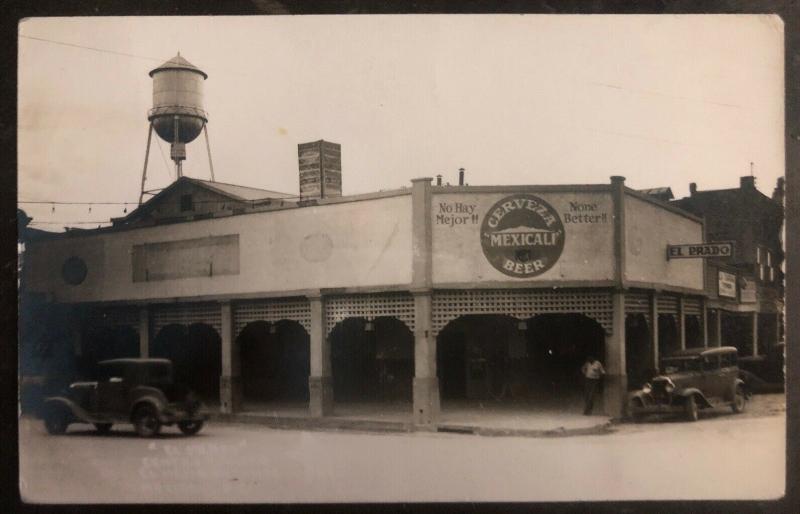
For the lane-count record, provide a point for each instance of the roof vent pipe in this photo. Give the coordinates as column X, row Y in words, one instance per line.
column 460, row 176
column 438, row 180
column 692, row 188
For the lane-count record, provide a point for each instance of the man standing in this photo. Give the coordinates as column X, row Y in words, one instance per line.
column 592, row 371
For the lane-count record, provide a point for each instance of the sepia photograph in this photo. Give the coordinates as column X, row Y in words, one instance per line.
column 401, row 258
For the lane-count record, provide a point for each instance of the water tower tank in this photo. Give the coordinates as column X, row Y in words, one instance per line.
column 177, row 115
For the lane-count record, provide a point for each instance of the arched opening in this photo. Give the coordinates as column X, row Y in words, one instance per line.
column 275, row 361
column 558, row 345
column 195, row 352
column 102, row 343
column 668, row 337
column 500, row 358
column 472, row 357
column 638, row 351
column 694, row 331
column 372, row 360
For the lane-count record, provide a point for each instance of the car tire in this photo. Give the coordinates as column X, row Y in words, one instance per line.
column 145, row 421
column 56, row 420
column 103, row 428
column 739, row 400
column 635, row 416
column 690, row 408
column 190, row 427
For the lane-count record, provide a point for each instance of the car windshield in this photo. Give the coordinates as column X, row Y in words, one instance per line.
column 678, row 364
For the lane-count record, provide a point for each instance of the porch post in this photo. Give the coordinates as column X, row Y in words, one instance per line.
column 144, row 332
column 682, row 322
column 654, row 330
column 719, row 327
column 230, row 385
column 705, row 322
column 426, row 383
column 320, row 380
column 755, row 333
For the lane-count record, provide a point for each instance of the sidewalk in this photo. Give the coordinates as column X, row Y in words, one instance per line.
column 489, row 419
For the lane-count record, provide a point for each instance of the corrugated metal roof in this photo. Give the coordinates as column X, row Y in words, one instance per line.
column 241, row 192
column 178, row 63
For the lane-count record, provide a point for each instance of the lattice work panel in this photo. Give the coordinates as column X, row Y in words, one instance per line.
column 125, row 316
column 692, row 307
column 521, row 304
column 667, row 305
column 638, row 303
column 272, row 310
column 370, row 306
column 187, row 314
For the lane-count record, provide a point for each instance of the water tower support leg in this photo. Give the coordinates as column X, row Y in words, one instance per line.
column 208, row 148
column 146, row 155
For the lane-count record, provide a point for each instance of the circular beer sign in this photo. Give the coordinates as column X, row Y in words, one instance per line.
column 522, row 236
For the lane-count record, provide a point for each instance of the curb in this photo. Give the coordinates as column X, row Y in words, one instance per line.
column 374, row 426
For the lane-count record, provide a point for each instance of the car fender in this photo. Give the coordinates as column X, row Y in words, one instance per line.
column 77, row 412
column 697, row 393
column 748, row 393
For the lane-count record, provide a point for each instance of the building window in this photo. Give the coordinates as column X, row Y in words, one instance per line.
column 772, row 274
column 762, row 272
column 186, row 203
column 759, row 252
column 769, row 258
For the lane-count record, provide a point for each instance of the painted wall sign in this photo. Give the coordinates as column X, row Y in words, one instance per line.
column 522, row 236
column 699, row 250
column 451, row 214
column 747, row 290
column 727, row 284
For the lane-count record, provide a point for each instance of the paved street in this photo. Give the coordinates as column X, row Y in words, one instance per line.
column 722, row 456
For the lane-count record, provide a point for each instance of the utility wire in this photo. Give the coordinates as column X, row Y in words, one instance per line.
column 95, row 49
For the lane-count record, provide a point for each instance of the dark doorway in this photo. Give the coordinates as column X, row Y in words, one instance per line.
column 668, row 337
column 477, row 357
column 372, row 360
column 737, row 330
column 195, row 352
column 558, row 345
column 275, row 361
column 638, row 351
column 694, row 331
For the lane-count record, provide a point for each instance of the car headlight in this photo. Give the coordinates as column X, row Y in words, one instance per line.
column 647, row 389
column 669, row 387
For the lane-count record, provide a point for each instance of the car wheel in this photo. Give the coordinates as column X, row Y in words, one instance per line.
column 690, row 408
column 145, row 421
column 56, row 420
column 103, row 428
column 190, row 427
column 739, row 400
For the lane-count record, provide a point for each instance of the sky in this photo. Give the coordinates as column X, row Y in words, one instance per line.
column 514, row 99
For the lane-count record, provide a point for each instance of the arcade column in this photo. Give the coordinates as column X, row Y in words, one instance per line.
column 615, row 383
column 320, row 380
column 144, row 332
column 426, row 383
column 230, row 384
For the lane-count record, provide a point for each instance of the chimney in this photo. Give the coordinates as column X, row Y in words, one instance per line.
column 692, row 188
column 780, row 191
column 438, row 180
column 748, row 182
column 320, row 166
column 460, row 176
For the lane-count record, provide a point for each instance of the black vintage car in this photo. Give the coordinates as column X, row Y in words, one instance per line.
column 693, row 379
column 137, row 391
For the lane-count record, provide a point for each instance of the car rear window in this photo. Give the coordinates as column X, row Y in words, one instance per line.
column 677, row 365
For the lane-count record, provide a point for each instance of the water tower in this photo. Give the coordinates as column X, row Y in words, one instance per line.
column 177, row 115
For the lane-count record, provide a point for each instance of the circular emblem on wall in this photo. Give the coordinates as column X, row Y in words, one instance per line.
column 316, row 247
column 522, row 236
column 73, row 271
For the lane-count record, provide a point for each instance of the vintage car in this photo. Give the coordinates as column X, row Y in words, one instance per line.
column 137, row 391
column 693, row 379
